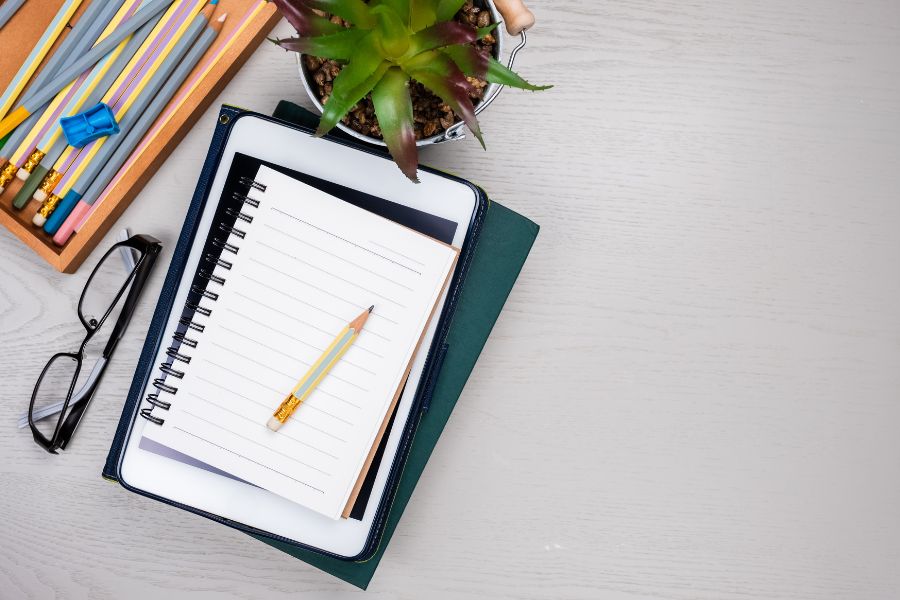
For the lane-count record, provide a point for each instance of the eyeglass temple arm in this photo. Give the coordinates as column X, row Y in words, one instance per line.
column 144, row 267
column 53, row 409
column 79, row 403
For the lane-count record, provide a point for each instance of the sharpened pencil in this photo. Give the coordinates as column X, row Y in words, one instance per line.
column 101, row 77
column 121, row 95
column 191, row 48
column 20, row 113
column 318, row 370
column 86, row 31
column 31, row 150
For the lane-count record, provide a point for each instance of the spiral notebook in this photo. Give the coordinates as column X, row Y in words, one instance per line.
column 297, row 266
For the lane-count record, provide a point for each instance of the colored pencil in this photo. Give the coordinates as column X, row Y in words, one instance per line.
column 29, row 151
column 40, row 50
column 61, row 80
column 86, row 31
column 183, row 59
column 8, row 9
column 176, row 105
column 119, row 97
column 76, row 95
column 97, row 86
column 319, row 369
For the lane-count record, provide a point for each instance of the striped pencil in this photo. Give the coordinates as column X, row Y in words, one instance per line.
column 318, row 370
column 62, row 79
column 123, row 93
column 161, row 123
column 182, row 60
column 89, row 27
column 40, row 50
column 42, row 170
column 86, row 89
column 28, row 152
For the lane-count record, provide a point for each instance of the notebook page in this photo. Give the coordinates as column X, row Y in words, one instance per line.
column 308, row 264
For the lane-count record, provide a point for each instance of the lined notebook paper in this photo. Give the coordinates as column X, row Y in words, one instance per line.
column 307, row 265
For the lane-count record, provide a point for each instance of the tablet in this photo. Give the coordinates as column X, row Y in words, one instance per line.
column 440, row 207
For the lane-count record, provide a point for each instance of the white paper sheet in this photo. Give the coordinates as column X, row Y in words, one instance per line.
column 308, row 265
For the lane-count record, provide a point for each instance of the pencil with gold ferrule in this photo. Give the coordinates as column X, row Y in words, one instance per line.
column 124, row 92
column 319, row 370
column 89, row 58
column 189, row 90
column 127, row 90
column 134, row 125
column 89, row 26
column 39, row 174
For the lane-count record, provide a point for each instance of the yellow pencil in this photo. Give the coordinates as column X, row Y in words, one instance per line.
column 175, row 106
column 133, row 79
column 319, row 370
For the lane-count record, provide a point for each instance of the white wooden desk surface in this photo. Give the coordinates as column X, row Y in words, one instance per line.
column 694, row 390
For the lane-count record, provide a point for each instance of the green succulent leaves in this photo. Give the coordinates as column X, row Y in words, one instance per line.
column 393, row 106
column 388, row 43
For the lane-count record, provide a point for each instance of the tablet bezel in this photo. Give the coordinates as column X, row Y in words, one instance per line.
column 268, row 140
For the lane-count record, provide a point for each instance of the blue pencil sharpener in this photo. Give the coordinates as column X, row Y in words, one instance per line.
column 90, row 125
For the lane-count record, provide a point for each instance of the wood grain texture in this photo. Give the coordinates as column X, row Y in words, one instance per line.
column 717, row 184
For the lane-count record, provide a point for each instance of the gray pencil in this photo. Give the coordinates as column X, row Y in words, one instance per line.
column 89, row 27
column 34, row 179
column 140, row 128
column 8, row 9
column 178, row 65
column 86, row 61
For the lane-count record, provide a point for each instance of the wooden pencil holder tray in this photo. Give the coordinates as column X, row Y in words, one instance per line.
column 248, row 23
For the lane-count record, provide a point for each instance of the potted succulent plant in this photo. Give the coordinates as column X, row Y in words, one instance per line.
column 370, row 60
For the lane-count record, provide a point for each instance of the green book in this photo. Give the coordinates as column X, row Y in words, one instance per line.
column 491, row 270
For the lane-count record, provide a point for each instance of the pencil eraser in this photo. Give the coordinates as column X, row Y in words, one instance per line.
column 38, row 220
column 274, row 424
column 40, row 195
column 23, row 174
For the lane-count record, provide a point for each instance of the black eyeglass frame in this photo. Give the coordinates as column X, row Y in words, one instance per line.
column 148, row 248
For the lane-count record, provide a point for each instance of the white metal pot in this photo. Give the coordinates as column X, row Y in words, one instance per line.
column 455, row 131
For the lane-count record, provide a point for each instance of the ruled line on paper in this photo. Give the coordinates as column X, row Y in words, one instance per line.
column 310, row 325
column 260, row 425
column 305, row 424
column 202, row 439
column 304, row 342
column 319, row 269
column 332, row 254
column 342, row 319
column 298, row 219
column 401, row 255
column 261, row 384
column 290, row 356
column 292, row 377
column 255, row 443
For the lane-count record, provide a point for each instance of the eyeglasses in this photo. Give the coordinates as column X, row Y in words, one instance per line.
column 110, row 294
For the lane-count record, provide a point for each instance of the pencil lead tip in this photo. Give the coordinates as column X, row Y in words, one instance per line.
column 371, row 308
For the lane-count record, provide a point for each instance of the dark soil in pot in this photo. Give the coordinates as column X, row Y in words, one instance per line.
column 431, row 115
